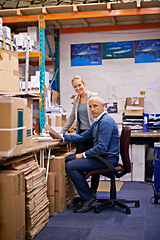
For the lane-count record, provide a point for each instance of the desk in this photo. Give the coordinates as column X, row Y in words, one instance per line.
column 145, row 134
column 38, row 145
column 145, row 138
column 142, row 143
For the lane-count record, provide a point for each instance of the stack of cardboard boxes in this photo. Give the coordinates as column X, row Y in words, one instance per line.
column 15, row 125
column 23, row 193
column 12, row 205
column 24, row 202
column 16, row 112
column 35, row 203
column 16, row 136
column 61, row 190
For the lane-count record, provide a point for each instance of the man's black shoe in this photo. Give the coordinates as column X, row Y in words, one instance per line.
column 85, row 206
column 78, row 203
column 76, row 199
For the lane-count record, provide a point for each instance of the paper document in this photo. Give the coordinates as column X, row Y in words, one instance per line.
column 134, row 108
column 45, row 139
column 51, row 130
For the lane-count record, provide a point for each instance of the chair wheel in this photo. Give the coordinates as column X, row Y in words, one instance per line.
column 137, row 204
column 128, row 211
column 96, row 210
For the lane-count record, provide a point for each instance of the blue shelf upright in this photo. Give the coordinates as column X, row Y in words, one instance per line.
column 56, row 77
column 42, row 69
column 57, row 59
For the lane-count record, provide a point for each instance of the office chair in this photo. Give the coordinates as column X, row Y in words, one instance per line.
column 113, row 172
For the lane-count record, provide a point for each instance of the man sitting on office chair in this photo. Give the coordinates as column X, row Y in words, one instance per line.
column 104, row 132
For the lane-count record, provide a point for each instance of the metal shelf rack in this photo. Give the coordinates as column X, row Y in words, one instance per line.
column 110, row 16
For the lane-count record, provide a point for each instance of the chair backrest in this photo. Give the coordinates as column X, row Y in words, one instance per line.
column 124, row 148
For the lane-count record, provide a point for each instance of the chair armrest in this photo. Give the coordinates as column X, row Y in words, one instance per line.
column 108, row 164
column 106, row 153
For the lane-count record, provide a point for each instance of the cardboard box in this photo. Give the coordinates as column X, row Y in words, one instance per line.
column 60, row 186
column 51, row 184
column 50, row 192
column 134, row 106
column 36, row 178
column 60, row 203
column 9, row 71
column 54, row 97
column 64, row 189
column 12, row 205
column 57, row 121
column 28, row 118
column 12, row 129
column 60, row 120
column 36, row 201
column 15, row 126
column 57, row 164
column 29, row 122
column 60, row 192
column 51, row 205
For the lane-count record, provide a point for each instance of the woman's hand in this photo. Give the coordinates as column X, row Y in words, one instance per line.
column 79, row 155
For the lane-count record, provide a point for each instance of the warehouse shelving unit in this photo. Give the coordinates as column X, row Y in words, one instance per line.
column 111, row 16
column 42, row 68
column 42, row 62
column 87, row 15
column 33, row 57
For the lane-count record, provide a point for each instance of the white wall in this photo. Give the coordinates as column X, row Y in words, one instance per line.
column 115, row 79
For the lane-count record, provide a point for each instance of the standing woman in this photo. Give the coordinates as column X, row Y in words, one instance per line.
column 81, row 113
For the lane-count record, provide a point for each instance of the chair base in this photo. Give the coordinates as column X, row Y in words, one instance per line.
column 103, row 203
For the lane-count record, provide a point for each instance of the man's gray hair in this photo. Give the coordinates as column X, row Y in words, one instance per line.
column 100, row 99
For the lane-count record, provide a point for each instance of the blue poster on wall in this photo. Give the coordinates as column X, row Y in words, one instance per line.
column 116, row 50
column 147, row 51
column 87, row 54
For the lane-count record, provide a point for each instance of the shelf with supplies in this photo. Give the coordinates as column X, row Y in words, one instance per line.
column 34, row 56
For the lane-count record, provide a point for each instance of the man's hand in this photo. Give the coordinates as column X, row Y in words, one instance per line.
column 79, row 155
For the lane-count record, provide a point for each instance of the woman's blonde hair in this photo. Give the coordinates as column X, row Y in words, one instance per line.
column 79, row 78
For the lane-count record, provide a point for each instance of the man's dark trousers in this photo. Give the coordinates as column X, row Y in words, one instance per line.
column 76, row 168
